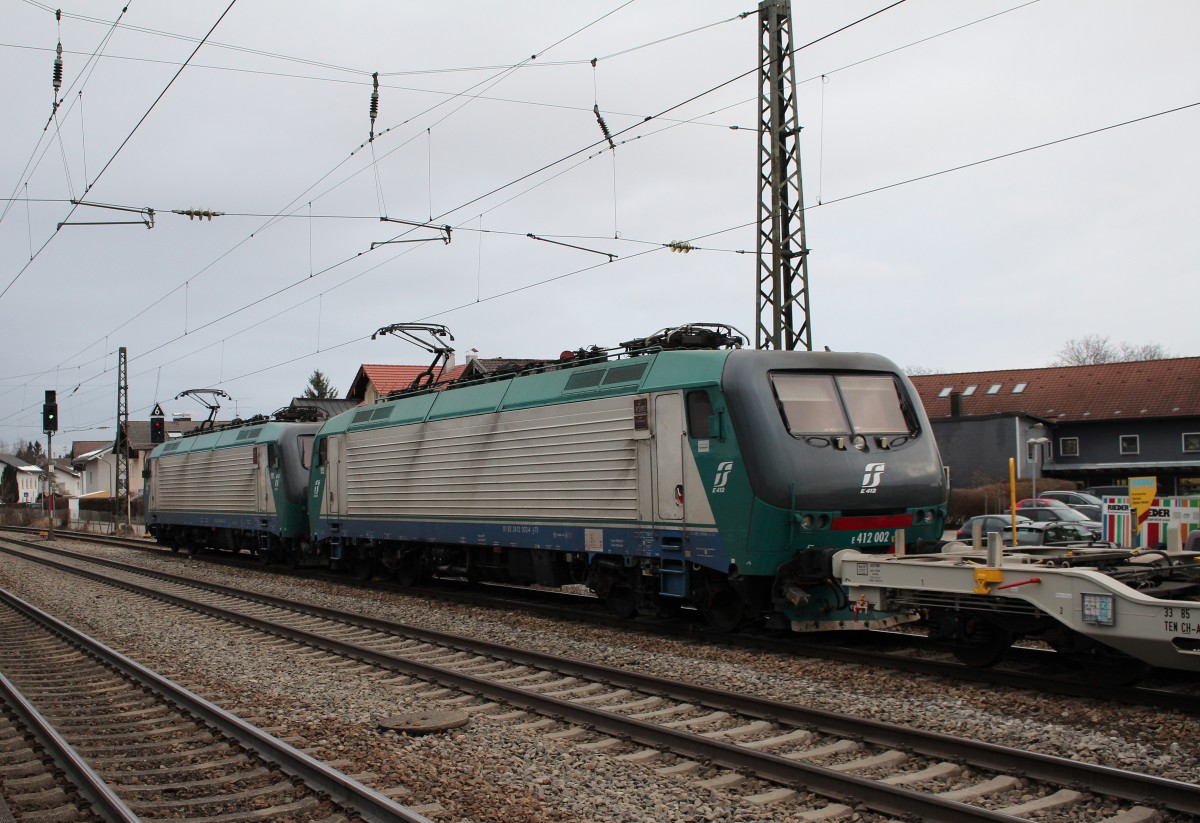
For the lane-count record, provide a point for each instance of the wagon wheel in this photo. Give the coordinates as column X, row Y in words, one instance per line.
column 725, row 610
column 981, row 643
column 1098, row 662
column 291, row 559
column 621, row 600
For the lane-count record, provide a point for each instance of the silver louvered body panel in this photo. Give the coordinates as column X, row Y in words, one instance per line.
column 219, row 480
column 576, row 460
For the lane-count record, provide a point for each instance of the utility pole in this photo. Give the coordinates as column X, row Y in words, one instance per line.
column 782, row 304
column 121, row 446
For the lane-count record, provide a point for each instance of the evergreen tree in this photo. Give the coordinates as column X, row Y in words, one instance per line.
column 8, row 485
column 319, row 388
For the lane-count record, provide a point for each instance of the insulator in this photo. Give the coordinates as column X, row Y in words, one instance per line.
column 374, row 103
column 681, row 246
column 201, row 214
column 603, row 126
column 58, row 69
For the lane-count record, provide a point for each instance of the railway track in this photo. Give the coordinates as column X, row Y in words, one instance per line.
column 1039, row 670
column 766, row 751
column 130, row 744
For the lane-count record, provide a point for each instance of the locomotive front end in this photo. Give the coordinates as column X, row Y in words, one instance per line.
column 838, row 453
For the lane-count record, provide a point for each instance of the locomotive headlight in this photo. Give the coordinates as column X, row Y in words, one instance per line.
column 929, row 516
column 806, row 522
column 860, row 442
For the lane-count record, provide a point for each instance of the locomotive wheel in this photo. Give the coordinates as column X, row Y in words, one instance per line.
column 621, row 600
column 410, row 572
column 725, row 610
column 982, row 643
column 364, row 567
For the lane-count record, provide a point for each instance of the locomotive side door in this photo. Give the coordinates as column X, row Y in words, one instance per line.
column 668, row 456
column 263, row 454
column 333, row 475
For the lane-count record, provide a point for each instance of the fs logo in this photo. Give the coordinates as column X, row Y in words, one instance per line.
column 722, row 478
column 872, row 478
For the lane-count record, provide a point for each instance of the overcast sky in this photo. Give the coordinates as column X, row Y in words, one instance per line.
column 989, row 267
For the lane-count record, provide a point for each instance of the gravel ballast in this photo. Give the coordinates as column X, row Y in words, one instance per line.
column 492, row 770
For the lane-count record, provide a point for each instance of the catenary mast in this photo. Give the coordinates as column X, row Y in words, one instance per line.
column 782, row 304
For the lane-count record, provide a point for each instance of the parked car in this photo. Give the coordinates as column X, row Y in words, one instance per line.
column 1108, row 491
column 1053, row 533
column 1041, row 503
column 1088, row 505
column 991, row 523
column 1073, row 499
column 1059, row 513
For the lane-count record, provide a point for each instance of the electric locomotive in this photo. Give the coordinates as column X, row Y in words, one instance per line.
column 681, row 472
column 236, row 489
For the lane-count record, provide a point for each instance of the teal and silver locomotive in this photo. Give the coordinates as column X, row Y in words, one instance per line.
column 681, row 471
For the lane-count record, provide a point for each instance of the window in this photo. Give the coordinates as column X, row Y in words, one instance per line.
column 585, row 379
column 1191, row 442
column 969, row 390
column 1068, row 446
column 810, row 404
column 699, row 411
column 1032, row 453
column 815, row 404
column 1020, row 387
column 1129, row 444
column 946, row 391
column 994, row 388
column 625, row 374
column 305, row 442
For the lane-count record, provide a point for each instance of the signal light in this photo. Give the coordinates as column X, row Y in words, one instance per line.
column 158, row 432
column 50, row 412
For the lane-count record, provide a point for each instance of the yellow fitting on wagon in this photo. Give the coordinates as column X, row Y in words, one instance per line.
column 984, row 576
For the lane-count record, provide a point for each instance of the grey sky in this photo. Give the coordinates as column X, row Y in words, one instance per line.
column 993, row 266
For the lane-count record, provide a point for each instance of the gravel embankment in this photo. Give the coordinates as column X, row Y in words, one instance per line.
column 491, row 771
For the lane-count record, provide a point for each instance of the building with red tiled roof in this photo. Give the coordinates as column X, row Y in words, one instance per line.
column 375, row 381
column 1102, row 423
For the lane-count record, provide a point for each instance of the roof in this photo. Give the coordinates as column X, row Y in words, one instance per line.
column 20, row 465
column 1110, row 391
column 331, row 406
column 389, row 378
column 82, row 447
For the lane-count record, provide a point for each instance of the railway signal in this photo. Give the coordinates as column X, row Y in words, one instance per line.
column 50, row 412
column 158, row 426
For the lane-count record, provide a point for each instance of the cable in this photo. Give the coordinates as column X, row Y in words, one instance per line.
column 119, row 148
column 1008, row 154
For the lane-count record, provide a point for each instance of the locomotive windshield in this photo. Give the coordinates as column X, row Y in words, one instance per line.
column 841, row 404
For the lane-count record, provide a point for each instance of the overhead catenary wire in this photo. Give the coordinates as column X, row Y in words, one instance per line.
column 815, row 41
column 431, row 209
column 124, row 142
column 293, row 202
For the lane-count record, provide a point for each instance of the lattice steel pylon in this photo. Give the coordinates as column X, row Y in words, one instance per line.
column 782, row 305
column 121, row 446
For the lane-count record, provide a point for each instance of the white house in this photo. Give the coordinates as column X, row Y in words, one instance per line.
column 67, row 481
column 30, row 479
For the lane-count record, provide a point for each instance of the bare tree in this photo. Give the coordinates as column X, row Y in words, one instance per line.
column 913, row 371
column 1094, row 349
